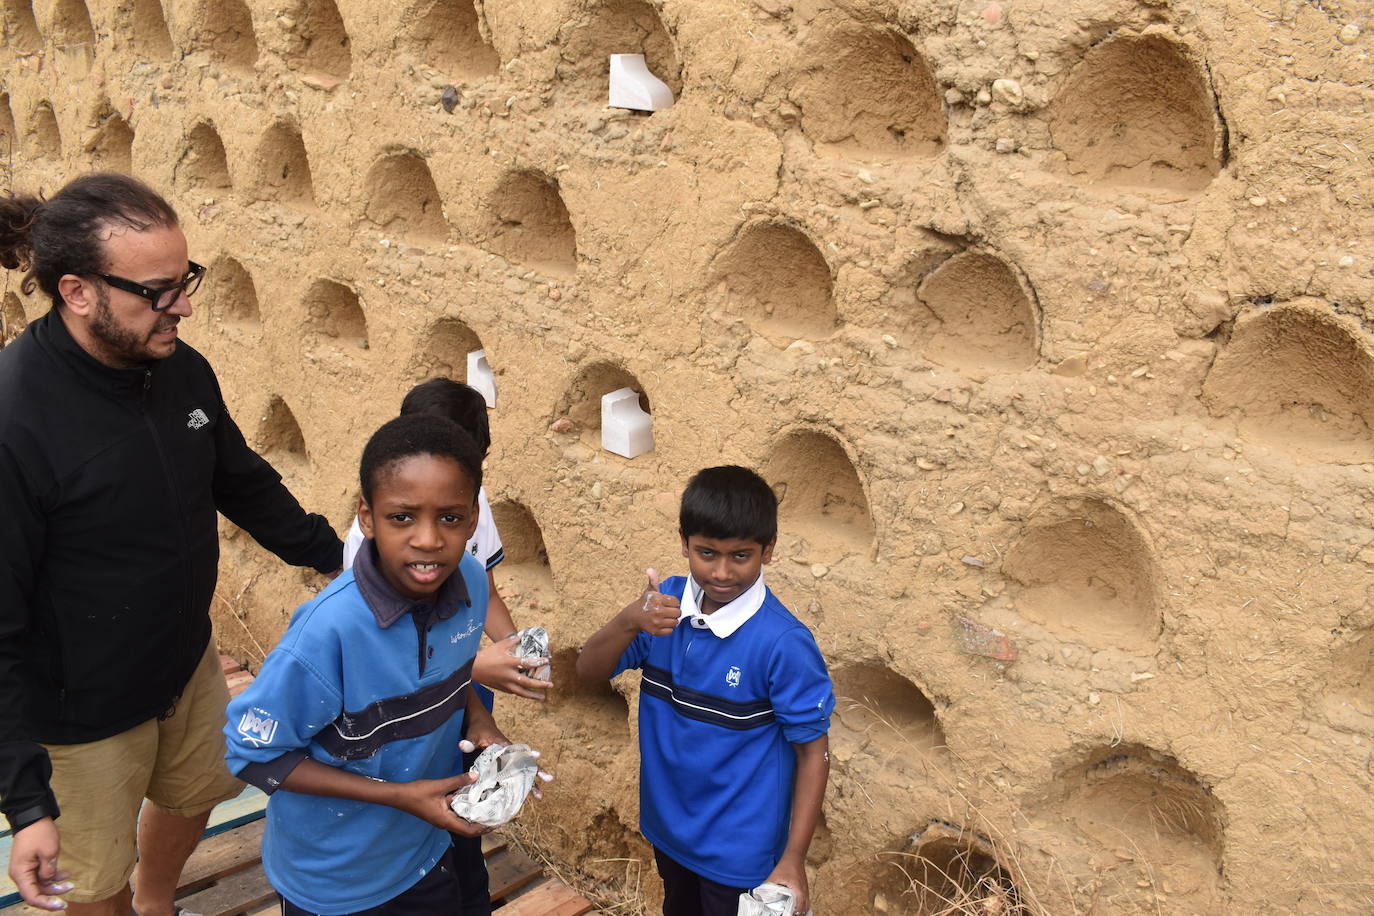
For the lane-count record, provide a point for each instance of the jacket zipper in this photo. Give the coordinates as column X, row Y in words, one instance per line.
column 179, row 510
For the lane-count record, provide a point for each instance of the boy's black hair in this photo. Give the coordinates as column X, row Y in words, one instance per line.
column 729, row 502
column 454, row 401
column 418, row 434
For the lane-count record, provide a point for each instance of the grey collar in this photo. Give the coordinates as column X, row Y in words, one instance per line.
column 388, row 606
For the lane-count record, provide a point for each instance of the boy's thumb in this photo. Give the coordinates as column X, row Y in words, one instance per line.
column 653, row 579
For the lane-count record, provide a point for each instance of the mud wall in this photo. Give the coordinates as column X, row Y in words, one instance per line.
column 1048, row 320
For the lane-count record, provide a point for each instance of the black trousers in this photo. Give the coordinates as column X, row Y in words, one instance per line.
column 470, row 865
column 436, row 894
column 686, row 893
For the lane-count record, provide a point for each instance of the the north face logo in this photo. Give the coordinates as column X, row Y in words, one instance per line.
column 196, row 419
column 257, row 727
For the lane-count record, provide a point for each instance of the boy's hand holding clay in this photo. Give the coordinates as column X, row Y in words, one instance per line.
column 653, row 612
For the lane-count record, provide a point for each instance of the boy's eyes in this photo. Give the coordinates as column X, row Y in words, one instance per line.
column 448, row 518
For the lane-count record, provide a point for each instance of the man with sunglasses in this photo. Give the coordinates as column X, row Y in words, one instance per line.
column 116, row 454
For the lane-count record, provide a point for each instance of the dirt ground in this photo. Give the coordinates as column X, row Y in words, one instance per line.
column 1048, row 320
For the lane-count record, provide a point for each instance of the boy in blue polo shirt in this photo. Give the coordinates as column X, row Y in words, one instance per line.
column 354, row 721
column 734, row 706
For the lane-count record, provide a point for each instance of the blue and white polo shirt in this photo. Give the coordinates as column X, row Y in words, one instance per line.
column 724, row 697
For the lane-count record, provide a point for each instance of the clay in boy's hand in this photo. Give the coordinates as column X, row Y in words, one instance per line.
column 662, row 611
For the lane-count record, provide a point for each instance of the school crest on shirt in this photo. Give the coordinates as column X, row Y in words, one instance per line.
column 257, row 727
column 732, row 676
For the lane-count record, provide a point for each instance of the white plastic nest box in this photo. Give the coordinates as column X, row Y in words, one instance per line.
column 633, row 86
column 625, row 428
column 481, row 377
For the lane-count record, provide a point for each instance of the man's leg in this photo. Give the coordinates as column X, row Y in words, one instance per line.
column 165, row 842
column 118, row 905
column 189, row 778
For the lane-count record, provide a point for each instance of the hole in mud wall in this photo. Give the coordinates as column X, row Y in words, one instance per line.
column 227, row 33
column 8, row 133
column 944, row 869
column 71, row 23
column 525, row 573
column 334, row 313
column 821, row 498
column 449, row 39
column 1350, row 685
column 590, row 710
column 1297, row 378
column 402, row 199
column 873, row 702
column 582, row 402
column 531, row 225
column 1084, row 567
column 1146, row 823
column 21, row 28
column 869, row 92
column 284, row 168
column 445, row 351
column 976, row 315
column 280, row 439
column 148, row 30
column 203, row 166
column 775, row 275
column 230, row 294
column 45, row 140
column 322, row 45
column 15, row 321
column 1138, row 110
column 617, row 27
column 112, row 146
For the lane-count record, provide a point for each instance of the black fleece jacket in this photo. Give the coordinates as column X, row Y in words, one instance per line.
column 109, row 550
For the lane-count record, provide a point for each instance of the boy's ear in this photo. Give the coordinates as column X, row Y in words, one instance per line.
column 768, row 550
column 365, row 517
column 684, row 546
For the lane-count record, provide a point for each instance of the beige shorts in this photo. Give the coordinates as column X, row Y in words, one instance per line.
column 176, row 763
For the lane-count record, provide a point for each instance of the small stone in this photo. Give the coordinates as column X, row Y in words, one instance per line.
column 596, row 125
column 1008, row 92
column 973, row 561
column 819, row 570
column 320, row 81
column 1139, row 371
column 1258, row 200
column 952, row 96
column 666, row 143
column 562, row 425
column 1346, row 261
column 802, row 347
column 1101, row 466
column 866, row 176
column 992, row 15
column 1138, row 676
column 1349, row 34
column 926, row 464
column 1082, row 470
column 956, row 508
column 555, row 294
column 1123, row 482
column 944, row 396
column 984, row 97
column 1094, row 699
column 1006, row 145
column 890, row 341
column 449, row 98
column 615, row 133
column 923, row 627
column 868, row 205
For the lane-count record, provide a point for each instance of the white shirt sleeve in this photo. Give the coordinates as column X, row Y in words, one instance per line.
column 485, row 545
column 352, row 543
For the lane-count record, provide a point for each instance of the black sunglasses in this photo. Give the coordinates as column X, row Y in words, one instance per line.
column 160, row 299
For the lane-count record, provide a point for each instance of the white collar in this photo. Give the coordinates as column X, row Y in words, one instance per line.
column 727, row 618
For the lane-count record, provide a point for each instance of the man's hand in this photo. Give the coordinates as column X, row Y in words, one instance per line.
column 428, row 799
column 792, row 874
column 653, row 612
column 497, row 668
column 33, row 866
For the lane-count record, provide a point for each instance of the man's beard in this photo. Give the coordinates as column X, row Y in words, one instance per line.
column 120, row 342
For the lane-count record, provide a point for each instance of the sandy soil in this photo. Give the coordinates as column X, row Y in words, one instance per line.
column 1047, row 319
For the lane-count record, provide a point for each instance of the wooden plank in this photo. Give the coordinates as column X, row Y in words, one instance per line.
column 492, row 843
column 509, row 870
column 237, row 894
column 549, row 897
column 221, row 856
